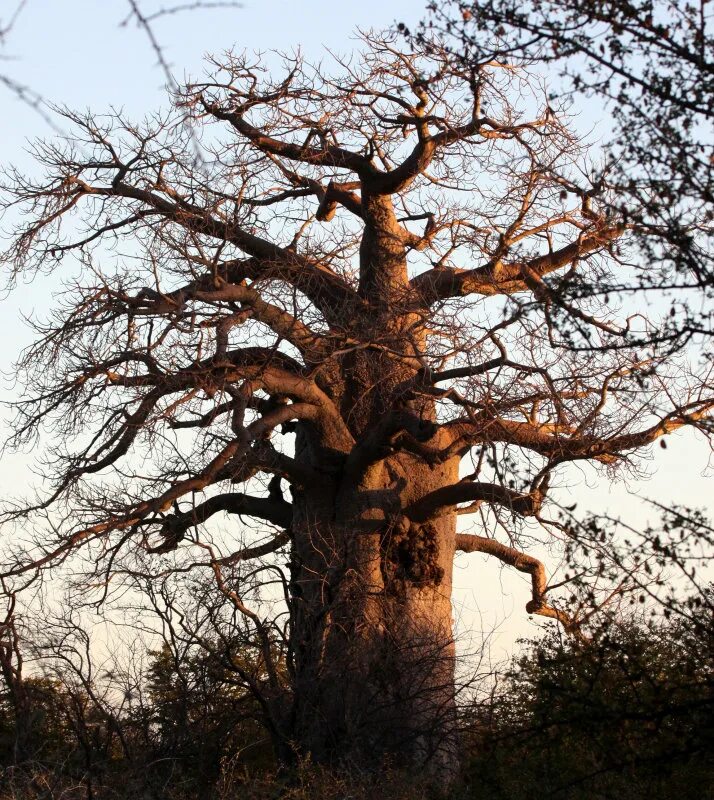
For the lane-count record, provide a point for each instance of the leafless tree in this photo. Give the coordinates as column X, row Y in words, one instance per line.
column 647, row 67
column 366, row 291
column 11, row 669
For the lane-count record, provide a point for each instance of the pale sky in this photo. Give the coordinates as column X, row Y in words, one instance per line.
column 74, row 52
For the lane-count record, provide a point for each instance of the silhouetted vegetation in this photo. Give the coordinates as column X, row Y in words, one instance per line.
column 629, row 714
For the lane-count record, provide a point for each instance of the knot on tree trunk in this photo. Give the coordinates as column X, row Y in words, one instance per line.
column 410, row 555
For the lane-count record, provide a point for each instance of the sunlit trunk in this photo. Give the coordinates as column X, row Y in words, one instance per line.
column 372, row 622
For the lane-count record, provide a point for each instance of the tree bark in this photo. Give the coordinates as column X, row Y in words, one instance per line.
column 372, row 620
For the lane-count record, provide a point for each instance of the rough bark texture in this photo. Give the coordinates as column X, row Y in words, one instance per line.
column 372, row 617
column 371, row 590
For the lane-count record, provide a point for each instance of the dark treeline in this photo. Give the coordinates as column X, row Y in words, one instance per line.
column 183, row 730
column 628, row 714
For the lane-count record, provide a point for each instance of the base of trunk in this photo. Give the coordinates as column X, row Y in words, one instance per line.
column 388, row 695
column 372, row 630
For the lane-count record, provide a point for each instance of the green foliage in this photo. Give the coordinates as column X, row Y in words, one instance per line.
column 628, row 715
column 45, row 724
column 197, row 726
column 202, row 718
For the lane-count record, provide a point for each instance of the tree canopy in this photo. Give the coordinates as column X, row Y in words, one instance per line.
column 397, row 290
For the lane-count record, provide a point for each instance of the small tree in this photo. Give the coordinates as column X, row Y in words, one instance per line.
column 628, row 714
column 17, row 710
column 441, row 313
column 203, row 719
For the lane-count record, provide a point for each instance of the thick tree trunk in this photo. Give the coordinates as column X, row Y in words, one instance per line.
column 372, row 621
column 371, row 609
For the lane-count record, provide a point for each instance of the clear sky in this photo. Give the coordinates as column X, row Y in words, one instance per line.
column 76, row 52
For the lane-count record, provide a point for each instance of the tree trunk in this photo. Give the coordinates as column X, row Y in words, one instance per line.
column 372, row 620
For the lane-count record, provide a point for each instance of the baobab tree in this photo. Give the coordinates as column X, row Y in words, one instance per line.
column 363, row 309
